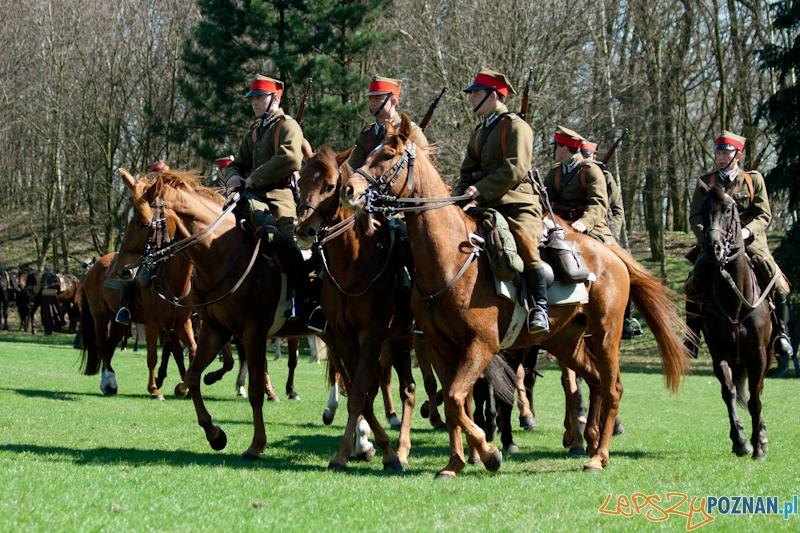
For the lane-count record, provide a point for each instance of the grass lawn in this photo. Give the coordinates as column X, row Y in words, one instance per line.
column 74, row 460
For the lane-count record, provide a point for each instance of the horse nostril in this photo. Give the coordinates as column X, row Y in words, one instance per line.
column 348, row 191
column 126, row 274
column 310, row 232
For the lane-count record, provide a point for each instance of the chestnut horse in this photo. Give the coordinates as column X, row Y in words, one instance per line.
column 234, row 291
column 455, row 302
column 737, row 331
column 367, row 310
column 101, row 333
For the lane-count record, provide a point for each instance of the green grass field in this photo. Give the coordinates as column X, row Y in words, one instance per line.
column 74, row 460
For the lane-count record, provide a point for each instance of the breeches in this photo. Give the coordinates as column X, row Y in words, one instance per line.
column 529, row 218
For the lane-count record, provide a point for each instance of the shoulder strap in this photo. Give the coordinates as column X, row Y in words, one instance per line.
column 368, row 140
column 748, row 179
column 558, row 179
column 504, row 135
column 583, row 180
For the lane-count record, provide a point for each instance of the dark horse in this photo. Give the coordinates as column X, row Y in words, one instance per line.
column 8, row 283
column 737, row 331
column 234, row 291
column 29, row 298
column 456, row 304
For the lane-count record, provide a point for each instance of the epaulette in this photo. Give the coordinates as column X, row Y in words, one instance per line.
column 599, row 164
column 366, row 128
column 707, row 174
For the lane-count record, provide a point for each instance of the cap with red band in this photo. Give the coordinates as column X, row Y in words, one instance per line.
column 158, row 166
column 491, row 80
column 223, row 162
column 264, row 85
column 588, row 147
column 568, row 137
column 729, row 141
column 381, row 85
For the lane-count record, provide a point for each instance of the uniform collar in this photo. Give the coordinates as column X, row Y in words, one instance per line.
column 729, row 176
column 572, row 163
column 270, row 119
column 488, row 121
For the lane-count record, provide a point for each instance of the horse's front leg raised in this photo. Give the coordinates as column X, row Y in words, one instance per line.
column 209, row 345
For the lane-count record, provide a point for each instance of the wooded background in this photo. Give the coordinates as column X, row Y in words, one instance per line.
column 88, row 87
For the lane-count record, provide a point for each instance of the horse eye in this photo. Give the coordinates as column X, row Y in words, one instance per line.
column 144, row 225
column 388, row 156
column 329, row 188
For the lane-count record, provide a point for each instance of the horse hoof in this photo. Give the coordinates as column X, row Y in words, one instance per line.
column 575, row 453
column 208, row 379
column 393, row 421
column 366, row 456
column 527, row 423
column 742, row 449
column 495, row 460
column 179, row 392
column 336, row 467
column 274, row 399
column 395, row 465
column 110, row 391
column 618, row 429
column 425, row 410
column 444, row 476
column 241, row 392
column 589, row 469
column 220, row 442
column 249, row 456
column 294, row 396
column 511, row 448
column 159, row 397
column 326, row 418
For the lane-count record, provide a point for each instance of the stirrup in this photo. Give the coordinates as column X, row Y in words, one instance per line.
column 631, row 328
column 123, row 316
column 316, row 321
column 538, row 321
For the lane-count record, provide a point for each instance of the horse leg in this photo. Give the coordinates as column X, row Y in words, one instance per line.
column 240, row 390
column 152, row 361
column 756, row 381
column 390, row 459
column 210, row 343
column 506, row 432
column 292, row 346
column 429, row 408
column 526, row 419
column 724, row 373
column 529, row 364
column 227, row 366
column 333, row 404
column 166, row 351
column 401, row 361
column 386, row 388
column 573, row 438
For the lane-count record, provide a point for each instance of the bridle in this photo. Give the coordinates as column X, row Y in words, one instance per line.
column 730, row 237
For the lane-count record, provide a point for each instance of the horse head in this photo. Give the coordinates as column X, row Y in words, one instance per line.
column 722, row 227
column 320, row 184
column 385, row 165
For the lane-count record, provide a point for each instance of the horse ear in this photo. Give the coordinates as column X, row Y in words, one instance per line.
column 389, row 129
column 344, row 157
column 405, row 126
column 308, row 152
column 156, row 188
column 127, row 179
column 703, row 186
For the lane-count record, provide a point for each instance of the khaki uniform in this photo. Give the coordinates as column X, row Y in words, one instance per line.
column 271, row 169
column 756, row 215
column 574, row 202
column 503, row 181
column 614, row 204
column 371, row 136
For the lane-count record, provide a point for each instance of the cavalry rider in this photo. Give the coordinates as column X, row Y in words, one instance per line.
column 577, row 187
column 384, row 95
column 269, row 155
column 126, row 285
column 49, row 286
column 222, row 165
column 495, row 172
column 752, row 201
column 616, row 218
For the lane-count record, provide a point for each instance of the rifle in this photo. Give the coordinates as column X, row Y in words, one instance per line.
column 536, row 178
column 303, row 99
column 760, row 155
column 607, row 158
column 523, row 108
column 431, row 109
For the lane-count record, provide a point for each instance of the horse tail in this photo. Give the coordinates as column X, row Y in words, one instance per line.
column 502, row 377
column 654, row 302
column 90, row 356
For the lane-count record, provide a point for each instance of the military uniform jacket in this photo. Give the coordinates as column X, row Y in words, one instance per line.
column 593, row 199
column 368, row 139
column 260, row 160
column 504, row 178
column 756, row 213
column 614, row 202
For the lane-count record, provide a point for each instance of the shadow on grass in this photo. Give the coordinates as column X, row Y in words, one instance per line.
column 166, row 391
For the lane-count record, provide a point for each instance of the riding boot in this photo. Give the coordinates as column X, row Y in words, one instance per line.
column 538, row 321
column 630, row 326
column 304, row 303
column 782, row 345
column 124, row 314
column 695, row 324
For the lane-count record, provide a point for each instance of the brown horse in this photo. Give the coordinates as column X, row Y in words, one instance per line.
column 69, row 299
column 455, row 303
column 101, row 333
column 234, row 291
column 363, row 303
column 737, row 331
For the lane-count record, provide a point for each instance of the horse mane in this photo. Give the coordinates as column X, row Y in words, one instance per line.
column 187, row 180
column 718, row 194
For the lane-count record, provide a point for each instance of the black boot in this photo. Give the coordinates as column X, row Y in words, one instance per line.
column 304, row 304
column 538, row 321
column 695, row 324
column 782, row 345
column 124, row 314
